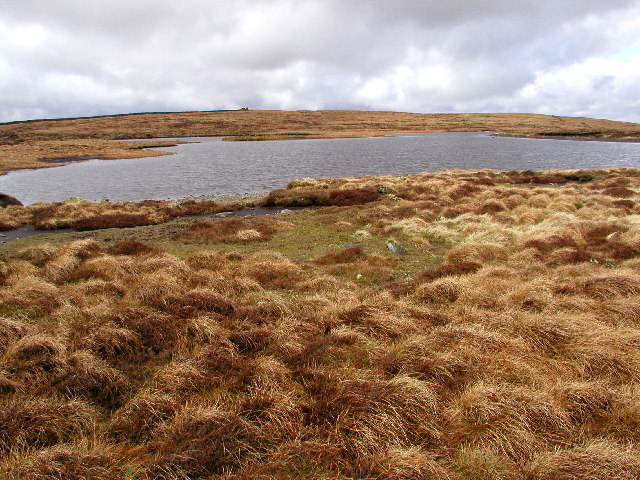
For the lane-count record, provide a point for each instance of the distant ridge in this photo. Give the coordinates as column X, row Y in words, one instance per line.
column 108, row 115
column 25, row 143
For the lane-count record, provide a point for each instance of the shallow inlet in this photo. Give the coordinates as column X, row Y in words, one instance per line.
column 214, row 167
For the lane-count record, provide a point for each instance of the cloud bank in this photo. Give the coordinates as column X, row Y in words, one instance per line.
column 77, row 58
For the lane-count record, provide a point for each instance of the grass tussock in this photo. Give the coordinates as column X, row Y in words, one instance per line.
column 321, row 198
column 71, row 465
column 501, row 345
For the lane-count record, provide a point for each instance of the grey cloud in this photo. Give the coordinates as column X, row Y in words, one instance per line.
column 71, row 57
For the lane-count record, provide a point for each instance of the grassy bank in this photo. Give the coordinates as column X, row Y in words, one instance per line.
column 26, row 144
column 503, row 344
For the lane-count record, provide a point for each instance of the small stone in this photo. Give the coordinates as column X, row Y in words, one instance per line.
column 223, row 214
column 395, row 248
column 285, row 210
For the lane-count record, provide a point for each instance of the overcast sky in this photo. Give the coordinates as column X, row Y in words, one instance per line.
column 61, row 58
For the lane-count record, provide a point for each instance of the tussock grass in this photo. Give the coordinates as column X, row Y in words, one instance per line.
column 83, row 463
column 198, row 442
column 595, row 460
column 36, row 422
column 503, row 344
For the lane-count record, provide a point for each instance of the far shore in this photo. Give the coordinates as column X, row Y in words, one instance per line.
column 25, row 145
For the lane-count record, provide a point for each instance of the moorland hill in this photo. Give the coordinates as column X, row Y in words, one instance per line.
column 26, row 144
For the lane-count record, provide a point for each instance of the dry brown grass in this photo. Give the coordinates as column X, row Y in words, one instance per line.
column 502, row 345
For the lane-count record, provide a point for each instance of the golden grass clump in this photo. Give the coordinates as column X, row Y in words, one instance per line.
column 92, row 379
column 36, row 353
column 603, row 286
column 397, row 412
column 36, row 422
column 475, row 463
column 304, row 197
column 138, row 419
column 14, row 216
column 599, row 459
column 79, row 214
column 157, row 288
column 272, row 270
column 200, row 442
column 476, row 253
column 31, row 295
column 68, row 258
column 406, row 464
column 443, row 290
column 11, row 330
column 58, row 463
column 510, row 420
column 206, row 260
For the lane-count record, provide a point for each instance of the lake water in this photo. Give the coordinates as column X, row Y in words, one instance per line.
column 214, row 167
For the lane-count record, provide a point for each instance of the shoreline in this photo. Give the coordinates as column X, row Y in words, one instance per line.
column 228, row 198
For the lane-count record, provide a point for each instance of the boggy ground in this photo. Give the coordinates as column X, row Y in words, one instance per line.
column 26, row 144
column 504, row 344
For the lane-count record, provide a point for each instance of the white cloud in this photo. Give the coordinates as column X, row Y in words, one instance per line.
column 69, row 57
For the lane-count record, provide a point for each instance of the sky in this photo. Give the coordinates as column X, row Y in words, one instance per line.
column 68, row 58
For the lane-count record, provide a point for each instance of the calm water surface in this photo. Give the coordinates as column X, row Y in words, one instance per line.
column 214, row 167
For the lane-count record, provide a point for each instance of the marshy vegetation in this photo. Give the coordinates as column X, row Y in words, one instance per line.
column 504, row 344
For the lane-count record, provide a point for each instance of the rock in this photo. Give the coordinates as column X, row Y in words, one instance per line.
column 223, row 214
column 395, row 248
column 6, row 200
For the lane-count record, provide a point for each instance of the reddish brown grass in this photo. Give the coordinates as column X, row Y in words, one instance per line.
column 348, row 255
column 597, row 460
column 301, row 197
column 42, row 422
column 69, row 465
column 201, row 443
column 232, row 230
